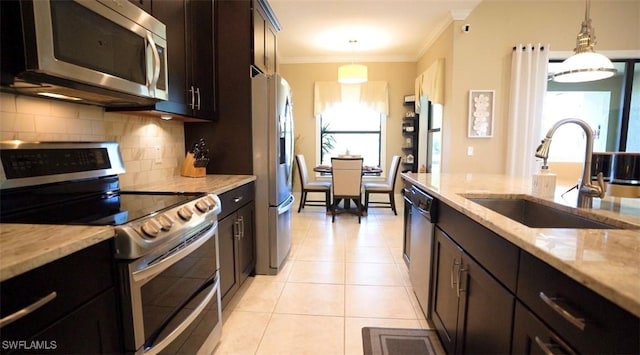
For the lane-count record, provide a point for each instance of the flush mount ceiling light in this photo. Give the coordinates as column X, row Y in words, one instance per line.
column 585, row 64
column 352, row 73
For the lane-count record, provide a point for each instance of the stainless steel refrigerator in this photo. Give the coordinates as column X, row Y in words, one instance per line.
column 272, row 164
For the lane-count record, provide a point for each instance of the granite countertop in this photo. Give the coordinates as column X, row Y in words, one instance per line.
column 216, row 184
column 607, row 261
column 24, row 247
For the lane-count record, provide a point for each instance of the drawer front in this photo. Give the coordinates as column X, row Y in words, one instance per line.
column 76, row 279
column 606, row 328
column 236, row 198
column 531, row 336
column 490, row 250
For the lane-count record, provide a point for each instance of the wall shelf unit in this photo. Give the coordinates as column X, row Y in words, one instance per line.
column 410, row 129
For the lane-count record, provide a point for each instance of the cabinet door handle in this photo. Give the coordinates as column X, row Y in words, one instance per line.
column 193, row 98
column 459, row 281
column 554, row 303
column 198, row 101
column 241, row 223
column 237, row 199
column 453, row 271
column 236, row 229
column 28, row 309
column 547, row 348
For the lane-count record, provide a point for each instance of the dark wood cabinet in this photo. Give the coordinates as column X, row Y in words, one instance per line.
column 445, row 300
column 229, row 138
column 531, row 336
column 489, row 296
column 91, row 329
column 78, row 310
column 586, row 321
column 190, row 55
column 143, row 4
column 265, row 27
column 471, row 311
column 237, row 239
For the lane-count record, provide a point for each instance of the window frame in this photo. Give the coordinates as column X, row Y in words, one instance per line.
column 382, row 147
column 630, row 63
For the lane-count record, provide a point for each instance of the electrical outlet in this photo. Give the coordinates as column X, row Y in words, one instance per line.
column 470, row 151
column 158, row 155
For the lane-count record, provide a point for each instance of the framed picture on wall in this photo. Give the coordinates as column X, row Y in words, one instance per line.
column 481, row 103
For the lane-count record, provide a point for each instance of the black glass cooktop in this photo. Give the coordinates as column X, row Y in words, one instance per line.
column 134, row 205
column 103, row 209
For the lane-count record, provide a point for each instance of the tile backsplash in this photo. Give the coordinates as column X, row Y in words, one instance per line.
column 152, row 149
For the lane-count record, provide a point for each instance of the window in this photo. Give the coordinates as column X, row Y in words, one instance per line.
column 610, row 106
column 351, row 129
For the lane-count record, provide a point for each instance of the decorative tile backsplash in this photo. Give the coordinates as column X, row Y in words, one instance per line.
column 152, row 149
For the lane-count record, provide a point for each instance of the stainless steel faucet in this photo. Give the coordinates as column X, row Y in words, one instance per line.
column 586, row 189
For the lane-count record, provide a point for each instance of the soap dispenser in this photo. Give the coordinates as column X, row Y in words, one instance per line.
column 544, row 182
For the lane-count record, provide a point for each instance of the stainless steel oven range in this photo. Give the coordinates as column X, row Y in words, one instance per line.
column 166, row 242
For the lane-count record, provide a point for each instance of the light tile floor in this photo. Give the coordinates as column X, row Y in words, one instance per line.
column 339, row 277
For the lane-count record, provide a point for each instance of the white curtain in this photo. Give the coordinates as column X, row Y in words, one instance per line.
column 528, row 87
column 374, row 94
column 431, row 84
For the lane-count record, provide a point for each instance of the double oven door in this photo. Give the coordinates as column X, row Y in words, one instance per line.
column 171, row 297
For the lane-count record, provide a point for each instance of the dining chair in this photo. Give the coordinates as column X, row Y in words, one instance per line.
column 386, row 187
column 311, row 186
column 346, row 181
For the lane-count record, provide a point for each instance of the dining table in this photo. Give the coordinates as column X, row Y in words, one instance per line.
column 366, row 171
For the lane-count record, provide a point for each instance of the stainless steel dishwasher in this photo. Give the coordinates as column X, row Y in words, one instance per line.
column 424, row 211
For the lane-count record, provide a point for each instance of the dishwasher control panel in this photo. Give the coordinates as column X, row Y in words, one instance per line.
column 424, row 202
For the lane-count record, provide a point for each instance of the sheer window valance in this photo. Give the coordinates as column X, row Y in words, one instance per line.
column 431, row 84
column 374, row 94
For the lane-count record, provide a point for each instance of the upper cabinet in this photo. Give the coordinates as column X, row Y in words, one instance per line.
column 143, row 4
column 191, row 42
column 265, row 27
column 241, row 27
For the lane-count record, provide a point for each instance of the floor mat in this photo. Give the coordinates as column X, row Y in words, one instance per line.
column 400, row 341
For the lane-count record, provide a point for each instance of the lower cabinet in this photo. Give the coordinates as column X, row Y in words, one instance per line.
column 489, row 296
column 471, row 311
column 67, row 306
column 91, row 329
column 237, row 239
column 531, row 336
column 584, row 320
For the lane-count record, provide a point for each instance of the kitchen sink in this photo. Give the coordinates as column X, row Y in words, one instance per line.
column 538, row 215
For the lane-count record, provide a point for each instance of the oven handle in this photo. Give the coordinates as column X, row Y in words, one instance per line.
column 187, row 321
column 167, row 261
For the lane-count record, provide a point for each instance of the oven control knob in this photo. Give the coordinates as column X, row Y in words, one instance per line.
column 165, row 222
column 185, row 213
column 211, row 202
column 202, row 206
column 151, row 228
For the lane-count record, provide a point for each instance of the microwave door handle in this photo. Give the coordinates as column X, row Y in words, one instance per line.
column 153, row 81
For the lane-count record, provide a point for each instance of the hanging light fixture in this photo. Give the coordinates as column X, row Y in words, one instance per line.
column 352, row 73
column 585, row 64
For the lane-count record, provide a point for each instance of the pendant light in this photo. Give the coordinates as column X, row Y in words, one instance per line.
column 352, row 73
column 585, row 64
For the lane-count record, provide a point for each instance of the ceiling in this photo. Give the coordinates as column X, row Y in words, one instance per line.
column 318, row 31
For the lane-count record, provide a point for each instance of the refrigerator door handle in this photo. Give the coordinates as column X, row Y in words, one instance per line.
column 286, row 206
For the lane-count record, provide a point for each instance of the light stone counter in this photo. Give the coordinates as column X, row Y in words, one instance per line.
column 24, row 247
column 606, row 261
column 216, row 184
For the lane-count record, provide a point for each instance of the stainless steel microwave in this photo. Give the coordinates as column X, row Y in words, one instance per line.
column 104, row 52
